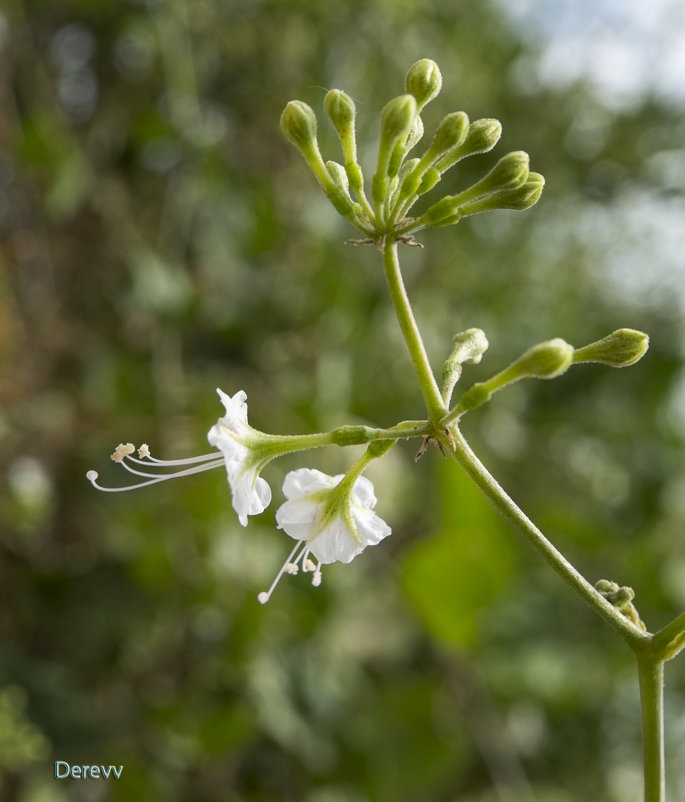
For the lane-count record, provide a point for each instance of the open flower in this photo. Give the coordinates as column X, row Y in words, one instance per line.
column 330, row 517
column 234, row 438
column 241, row 456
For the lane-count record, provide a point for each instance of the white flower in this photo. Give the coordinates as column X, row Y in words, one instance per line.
column 233, row 437
column 334, row 522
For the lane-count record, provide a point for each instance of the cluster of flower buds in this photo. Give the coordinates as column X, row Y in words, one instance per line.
column 546, row 360
column 400, row 181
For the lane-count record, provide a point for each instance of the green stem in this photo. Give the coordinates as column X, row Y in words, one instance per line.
column 636, row 638
column 412, row 337
column 670, row 640
column 651, row 676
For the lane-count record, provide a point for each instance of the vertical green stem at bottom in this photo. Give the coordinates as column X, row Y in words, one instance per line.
column 651, row 676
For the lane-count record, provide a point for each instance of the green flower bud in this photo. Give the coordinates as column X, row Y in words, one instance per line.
column 622, row 599
column 510, row 172
column 442, row 213
column 495, row 191
column 482, row 137
column 340, row 109
column 415, row 135
column 619, row 349
column 429, row 180
column 397, row 118
column 543, row 361
column 518, row 199
column 298, row 123
column 423, row 81
column 467, row 346
column 339, row 175
column 451, row 133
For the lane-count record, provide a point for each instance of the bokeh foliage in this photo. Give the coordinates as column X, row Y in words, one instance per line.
column 159, row 239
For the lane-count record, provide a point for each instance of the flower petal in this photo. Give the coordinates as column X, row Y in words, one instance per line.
column 362, row 493
column 305, row 481
column 335, row 544
column 296, row 518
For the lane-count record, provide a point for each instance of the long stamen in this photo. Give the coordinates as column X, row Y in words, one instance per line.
column 206, row 466
column 122, row 456
column 265, row 595
column 163, row 463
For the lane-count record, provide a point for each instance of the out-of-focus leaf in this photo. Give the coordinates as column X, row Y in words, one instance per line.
column 454, row 575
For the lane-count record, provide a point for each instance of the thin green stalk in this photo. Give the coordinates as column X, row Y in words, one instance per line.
column 651, row 676
column 670, row 640
column 405, row 317
column 636, row 638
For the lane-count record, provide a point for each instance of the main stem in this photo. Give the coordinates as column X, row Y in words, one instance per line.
column 651, row 675
column 410, row 330
column 649, row 661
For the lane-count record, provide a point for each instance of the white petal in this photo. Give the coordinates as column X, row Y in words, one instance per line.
column 250, row 496
column 296, row 518
column 335, row 544
column 236, row 409
column 220, row 437
column 305, row 481
column 370, row 528
column 362, row 493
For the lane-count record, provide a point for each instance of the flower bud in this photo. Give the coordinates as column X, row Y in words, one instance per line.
column 518, row 199
column 451, row 133
column 415, row 135
column 338, row 174
column 467, row 346
column 340, row 109
column 510, row 172
column 443, row 212
column 298, row 123
column 619, row 349
column 397, row 118
column 482, row 137
column 429, row 180
column 543, row 361
column 423, row 81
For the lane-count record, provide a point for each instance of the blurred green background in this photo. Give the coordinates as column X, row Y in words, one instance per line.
column 160, row 239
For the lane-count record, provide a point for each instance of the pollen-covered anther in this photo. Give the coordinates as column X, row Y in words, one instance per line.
column 309, row 565
column 121, row 451
column 144, row 451
column 292, row 568
column 316, row 579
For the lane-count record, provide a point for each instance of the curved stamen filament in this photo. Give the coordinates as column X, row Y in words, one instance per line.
column 204, row 462
column 163, row 463
column 216, row 462
column 290, row 566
